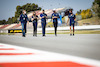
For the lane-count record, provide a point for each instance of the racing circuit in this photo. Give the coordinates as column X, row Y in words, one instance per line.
column 55, row 51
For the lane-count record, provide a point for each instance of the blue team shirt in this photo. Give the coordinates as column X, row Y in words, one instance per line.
column 55, row 14
column 43, row 19
column 23, row 18
column 71, row 17
column 35, row 20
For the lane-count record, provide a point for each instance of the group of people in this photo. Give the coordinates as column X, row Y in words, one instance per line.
column 43, row 16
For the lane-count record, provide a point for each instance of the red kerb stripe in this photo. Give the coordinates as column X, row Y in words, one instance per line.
column 16, row 53
column 7, row 49
column 44, row 64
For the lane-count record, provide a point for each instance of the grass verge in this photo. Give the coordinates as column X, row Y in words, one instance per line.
column 63, row 32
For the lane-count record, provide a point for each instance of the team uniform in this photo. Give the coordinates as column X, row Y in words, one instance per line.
column 71, row 17
column 23, row 19
column 55, row 21
column 35, row 25
column 72, row 21
column 43, row 22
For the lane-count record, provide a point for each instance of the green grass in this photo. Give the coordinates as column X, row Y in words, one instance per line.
column 87, row 32
column 79, row 32
column 64, row 32
column 6, row 33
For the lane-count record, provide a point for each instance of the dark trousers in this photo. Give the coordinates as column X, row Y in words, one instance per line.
column 55, row 27
column 23, row 28
column 43, row 27
column 35, row 28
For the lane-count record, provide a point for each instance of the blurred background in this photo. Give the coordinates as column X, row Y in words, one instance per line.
column 87, row 15
column 84, row 47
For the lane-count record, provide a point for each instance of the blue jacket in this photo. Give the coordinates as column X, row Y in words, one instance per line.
column 35, row 20
column 23, row 18
column 71, row 17
column 43, row 19
column 55, row 19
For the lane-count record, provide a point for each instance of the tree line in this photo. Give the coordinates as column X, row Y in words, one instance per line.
column 93, row 11
column 85, row 13
column 96, row 7
column 28, row 7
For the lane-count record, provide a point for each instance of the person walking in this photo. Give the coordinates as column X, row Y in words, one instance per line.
column 43, row 16
column 34, row 20
column 71, row 20
column 23, row 21
column 55, row 17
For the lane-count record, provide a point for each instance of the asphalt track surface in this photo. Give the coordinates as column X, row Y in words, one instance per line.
column 81, row 45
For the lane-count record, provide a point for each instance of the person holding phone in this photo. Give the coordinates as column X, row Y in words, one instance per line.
column 43, row 16
column 55, row 17
column 34, row 20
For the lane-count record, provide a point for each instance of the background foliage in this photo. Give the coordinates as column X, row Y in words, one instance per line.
column 28, row 7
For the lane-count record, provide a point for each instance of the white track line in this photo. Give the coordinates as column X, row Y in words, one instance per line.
column 43, row 56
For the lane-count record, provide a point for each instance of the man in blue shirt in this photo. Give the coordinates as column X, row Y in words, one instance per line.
column 71, row 18
column 23, row 21
column 55, row 17
column 43, row 21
